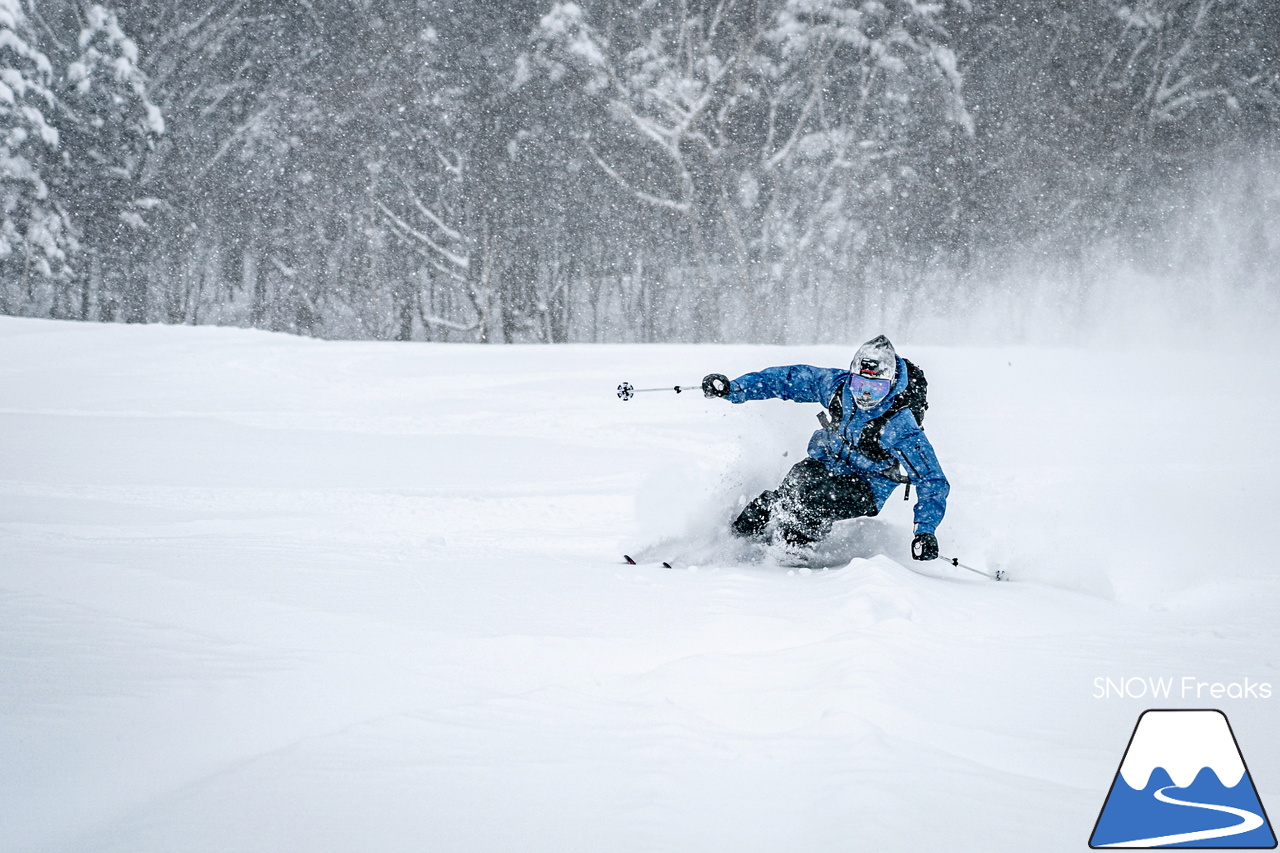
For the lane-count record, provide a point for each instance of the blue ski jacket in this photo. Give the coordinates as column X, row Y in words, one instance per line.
column 837, row 448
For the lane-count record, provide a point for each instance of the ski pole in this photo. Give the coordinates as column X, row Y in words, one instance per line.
column 999, row 574
column 626, row 390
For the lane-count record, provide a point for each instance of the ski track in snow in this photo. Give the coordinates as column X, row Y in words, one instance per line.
column 262, row 593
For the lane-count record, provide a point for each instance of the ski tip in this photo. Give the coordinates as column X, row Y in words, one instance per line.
column 631, row 562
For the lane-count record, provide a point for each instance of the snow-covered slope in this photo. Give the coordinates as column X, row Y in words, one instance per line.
column 261, row 593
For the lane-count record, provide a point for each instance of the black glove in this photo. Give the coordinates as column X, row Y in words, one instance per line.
column 715, row 385
column 924, row 547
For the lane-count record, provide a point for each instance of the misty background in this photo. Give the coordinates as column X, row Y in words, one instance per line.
column 775, row 171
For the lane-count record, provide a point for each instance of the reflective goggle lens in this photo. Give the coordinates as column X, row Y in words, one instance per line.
column 873, row 389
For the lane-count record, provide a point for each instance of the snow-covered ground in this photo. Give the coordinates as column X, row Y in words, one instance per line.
column 263, row 593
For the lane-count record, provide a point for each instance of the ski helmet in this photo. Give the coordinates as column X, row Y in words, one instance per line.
column 872, row 372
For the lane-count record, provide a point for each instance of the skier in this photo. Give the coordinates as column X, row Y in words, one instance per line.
column 869, row 444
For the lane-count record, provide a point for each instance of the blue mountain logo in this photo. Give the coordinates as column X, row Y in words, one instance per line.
column 1183, row 783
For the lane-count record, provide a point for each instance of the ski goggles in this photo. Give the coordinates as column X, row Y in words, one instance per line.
column 868, row 391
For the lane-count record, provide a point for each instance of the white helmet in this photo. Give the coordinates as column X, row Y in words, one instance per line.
column 872, row 372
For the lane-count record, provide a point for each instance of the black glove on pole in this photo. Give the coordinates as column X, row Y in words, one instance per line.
column 924, row 547
column 715, row 385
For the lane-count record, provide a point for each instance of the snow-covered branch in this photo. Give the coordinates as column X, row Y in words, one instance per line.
column 647, row 198
column 461, row 262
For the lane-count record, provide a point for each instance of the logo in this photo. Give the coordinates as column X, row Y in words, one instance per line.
column 1183, row 782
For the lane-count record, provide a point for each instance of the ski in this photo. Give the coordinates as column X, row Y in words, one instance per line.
column 801, row 561
column 632, row 562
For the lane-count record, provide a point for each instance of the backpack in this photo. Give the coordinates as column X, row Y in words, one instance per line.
column 913, row 397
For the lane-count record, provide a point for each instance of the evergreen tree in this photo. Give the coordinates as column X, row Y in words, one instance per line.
column 110, row 125
column 33, row 231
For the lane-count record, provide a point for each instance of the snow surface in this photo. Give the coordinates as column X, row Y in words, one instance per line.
column 263, row 593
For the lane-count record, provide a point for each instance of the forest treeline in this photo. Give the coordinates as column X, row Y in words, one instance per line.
column 599, row 170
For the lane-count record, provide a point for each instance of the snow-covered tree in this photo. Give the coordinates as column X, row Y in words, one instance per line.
column 772, row 128
column 570, row 169
column 1185, row 61
column 33, row 232
column 418, row 191
column 110, row 125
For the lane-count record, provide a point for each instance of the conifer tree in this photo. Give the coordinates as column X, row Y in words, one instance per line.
column 33, row 233
column 109, row 124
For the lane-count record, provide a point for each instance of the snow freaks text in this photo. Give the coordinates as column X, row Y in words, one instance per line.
column 1175, row 687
